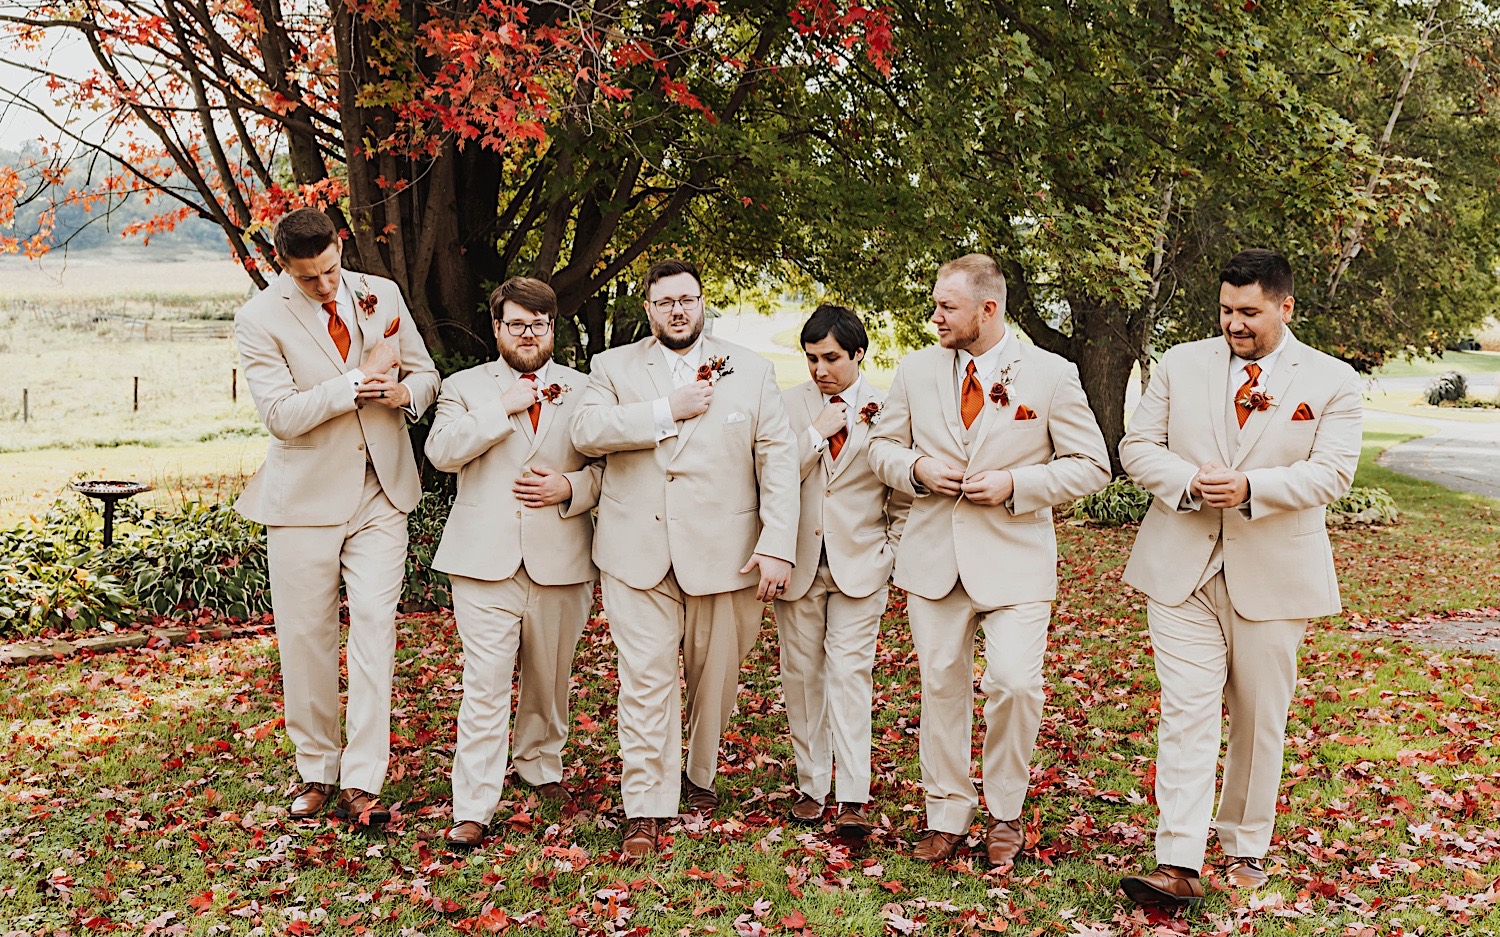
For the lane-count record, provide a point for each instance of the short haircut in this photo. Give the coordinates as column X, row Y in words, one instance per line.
column 670, row 268
column 304, row 233
column 985, row 279
column 1258, row 265
column 841, row 323
column 527, row 292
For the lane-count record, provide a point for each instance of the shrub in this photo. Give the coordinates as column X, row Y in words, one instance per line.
column 426, row 588
column 1122, row 501
column 204, row 556
column 1450, row 385
column 54, row 577
column 1363, row 506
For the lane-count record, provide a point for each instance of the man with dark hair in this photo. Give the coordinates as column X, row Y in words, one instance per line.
column 516, row 547
column 1242, row 441
column 336, row 368
column 829, row 616
column 697, row 529
column 988, row 433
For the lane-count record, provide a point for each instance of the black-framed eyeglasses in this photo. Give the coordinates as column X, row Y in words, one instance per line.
column 688, row 303
column 518, row 328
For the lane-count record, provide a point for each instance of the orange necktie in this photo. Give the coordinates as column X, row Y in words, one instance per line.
column 1241, row 411
column 337, row 330
column 535, row 410
column 837, row 440
column 973, row 397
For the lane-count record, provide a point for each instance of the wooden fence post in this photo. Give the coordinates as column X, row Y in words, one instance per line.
column 135, row 395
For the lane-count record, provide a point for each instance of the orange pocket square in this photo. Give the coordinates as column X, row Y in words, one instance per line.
column 1024, row 412
column 395, row 326
column 1304, row 412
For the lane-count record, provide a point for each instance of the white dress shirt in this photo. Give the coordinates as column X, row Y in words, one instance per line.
column 854, row 396
column 985, row 365
column 683, row 370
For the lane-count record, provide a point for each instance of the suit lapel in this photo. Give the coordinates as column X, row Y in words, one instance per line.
column 852, row 445
column 549, row 412
column 500, row 371
column 308, row 313
column 710, row 350
column 948, row 396
column 992, row 414
column 1277, row 387
column 1217, row 377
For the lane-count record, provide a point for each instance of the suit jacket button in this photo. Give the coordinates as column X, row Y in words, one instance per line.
column 518, row 513
column 658, row 517
column 817, row 533
column 1213, row 536
column 360, row 447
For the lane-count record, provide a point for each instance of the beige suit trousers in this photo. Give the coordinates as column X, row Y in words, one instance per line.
column 1015, row 641
column 1208, row 659
column 827, row 662
column 499, row 622
column 369, row 551
column 716, row 633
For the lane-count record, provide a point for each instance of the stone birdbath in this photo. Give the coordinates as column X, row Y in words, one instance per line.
column 109, row 492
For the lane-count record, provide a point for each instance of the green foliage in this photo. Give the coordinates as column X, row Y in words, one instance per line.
column 50, row 575
column 426, row 588
column 1363, row 505
column 1450, row 385
column 204, row 557
column 1120, row 502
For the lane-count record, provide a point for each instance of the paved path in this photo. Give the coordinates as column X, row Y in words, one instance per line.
column 1461, row 456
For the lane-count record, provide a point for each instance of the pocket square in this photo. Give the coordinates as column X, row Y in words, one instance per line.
column 735, row 417
column 1024, row 412
column 1304, row 412
column 393, row 328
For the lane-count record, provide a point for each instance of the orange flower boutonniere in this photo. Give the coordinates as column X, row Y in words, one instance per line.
column 869, row 413
column 366, row 300
column 1254, row 400
column 553, row 393
column 714, row 368
column 1000, row 395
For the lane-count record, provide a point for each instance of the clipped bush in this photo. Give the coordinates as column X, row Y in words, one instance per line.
column 1450, row 385
column 1120, row 502
column 1363, row 505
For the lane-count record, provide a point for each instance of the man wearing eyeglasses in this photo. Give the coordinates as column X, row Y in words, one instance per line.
column 697, row 530
column 516, row 547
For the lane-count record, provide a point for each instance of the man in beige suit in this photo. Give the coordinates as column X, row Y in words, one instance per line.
column 337, row 369
column 1242, row 441
column 697, row 529
column 516, row 548
column 829, row 616
column 989, row 433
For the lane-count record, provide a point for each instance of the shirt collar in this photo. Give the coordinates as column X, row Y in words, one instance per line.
column 693, row 357
column 541, row 373
column 986, row 364
column 852, row 396
column 1237, row 364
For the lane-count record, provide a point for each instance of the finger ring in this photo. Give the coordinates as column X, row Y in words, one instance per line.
column 382, row 393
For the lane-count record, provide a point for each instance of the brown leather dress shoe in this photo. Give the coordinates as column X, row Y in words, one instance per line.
column 1003, row 841
column 805, row 809
column 1168, row 887
column 851, row 822
column 360, row 808
column 465, row 835
column 699, row 799
column 640, row 837
column 1246, row 872
column 309, row 799
column 937, row 846
column 555, row 791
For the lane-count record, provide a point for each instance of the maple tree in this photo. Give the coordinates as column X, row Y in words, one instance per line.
column 456, row 144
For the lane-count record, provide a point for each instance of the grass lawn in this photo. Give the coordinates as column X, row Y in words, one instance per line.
column 144, row 792
column 1464, row 362
column 1410, row 403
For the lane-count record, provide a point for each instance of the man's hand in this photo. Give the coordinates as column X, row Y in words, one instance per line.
column 519, row 396
column 990, row 488
column 938, row 476
column 690, row 400
column 831, row 419
column 384, row 390
column 774, row 575
column 1223, row 489
column 380, row 359
column 540, row 486
column 1207, row 468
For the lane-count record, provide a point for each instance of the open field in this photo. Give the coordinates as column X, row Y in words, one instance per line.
column 144, row 791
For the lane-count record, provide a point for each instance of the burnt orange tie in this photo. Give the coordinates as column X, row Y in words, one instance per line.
column 337, row 330
column 535, row 410
column 837, row 440
column 973, row 397
column 1241, row 411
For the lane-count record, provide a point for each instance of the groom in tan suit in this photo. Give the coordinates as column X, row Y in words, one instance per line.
column 1242, row 441
column 697, row 530
column 988, row 433
column 829, row 616
column 337, row 369
column 516, row 547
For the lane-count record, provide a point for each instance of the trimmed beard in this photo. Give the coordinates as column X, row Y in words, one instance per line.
column 525, row 363
column 678, row 344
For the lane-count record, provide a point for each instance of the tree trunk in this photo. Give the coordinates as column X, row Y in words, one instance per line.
column 1104, row 357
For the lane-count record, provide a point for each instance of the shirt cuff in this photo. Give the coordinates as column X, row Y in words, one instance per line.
column 1187, row 502
column 356, row 377
column 819, row 443
column 661, row 415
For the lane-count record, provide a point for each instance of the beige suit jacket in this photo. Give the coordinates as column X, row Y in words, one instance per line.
column 846, row 510
column 489, row 533
column 314, row 467
column 1277, row 560
column 703, row 501
column 1005, row 554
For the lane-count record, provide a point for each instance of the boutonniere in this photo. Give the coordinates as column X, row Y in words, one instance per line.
column 869, row 413
column 714, row 368
column 1000, row 390
column 1254, row 400
column 367, row 300
column 553, row 393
